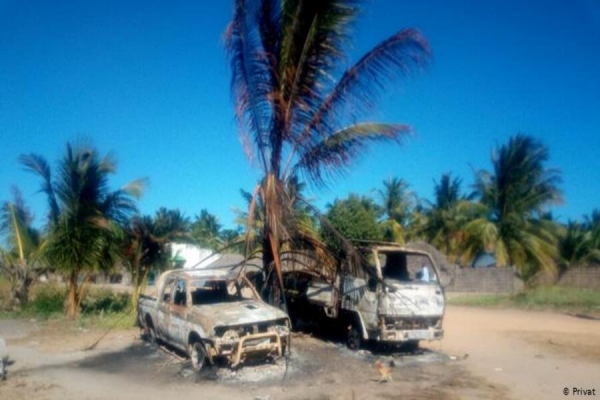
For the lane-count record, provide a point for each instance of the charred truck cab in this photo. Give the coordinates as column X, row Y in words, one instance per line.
column 392, row 295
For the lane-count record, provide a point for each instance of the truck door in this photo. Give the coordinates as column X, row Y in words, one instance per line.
column 361, row 295
column 177, row 315
column 162, row 312
column 368, row 304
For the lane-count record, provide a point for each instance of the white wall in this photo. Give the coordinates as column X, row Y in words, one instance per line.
column 195, row 257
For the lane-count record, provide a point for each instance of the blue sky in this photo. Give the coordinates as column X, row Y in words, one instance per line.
column 149, row 81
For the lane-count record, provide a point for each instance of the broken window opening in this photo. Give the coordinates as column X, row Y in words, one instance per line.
column 212, row 292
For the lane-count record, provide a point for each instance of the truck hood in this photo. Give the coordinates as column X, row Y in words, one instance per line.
column 412, row 299
column 235, row 313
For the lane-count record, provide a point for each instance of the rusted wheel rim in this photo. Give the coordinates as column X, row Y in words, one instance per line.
column 152, row 339
column 198, row 356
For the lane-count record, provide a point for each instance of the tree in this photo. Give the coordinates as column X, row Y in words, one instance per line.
column 206, row 230
column 146, row 245
column 22, row 262
column 592, row 224
column 576, row 246
column 514, row 197
column 355, row 218
column 579, row 243
column 295, row 119
column 397, row 205
column 85, row 217
column 232, row 240
column 448, row 215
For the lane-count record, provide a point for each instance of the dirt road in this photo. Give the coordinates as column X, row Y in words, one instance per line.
column 511, row 355
column 536, row 354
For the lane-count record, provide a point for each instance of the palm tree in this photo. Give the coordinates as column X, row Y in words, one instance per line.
column 22, row 263
column 84, row 217
column 576, row 246
column 146, row 245
column 295, row 117
column 206, row 230
column 592, row 224
column 397, row 205
column 514, row 198
column 447, row 216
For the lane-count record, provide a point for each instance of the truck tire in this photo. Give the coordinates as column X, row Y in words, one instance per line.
column 198, row 356
column 151, row 332
column 354, row 337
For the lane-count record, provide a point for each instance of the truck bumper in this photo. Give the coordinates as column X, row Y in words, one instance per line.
column 256, row 345
column 400, row 336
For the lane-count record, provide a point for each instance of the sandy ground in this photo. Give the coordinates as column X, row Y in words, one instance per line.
column 536, row 354
column 489, row 354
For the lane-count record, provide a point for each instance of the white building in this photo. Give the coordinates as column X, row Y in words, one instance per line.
column 192, row 256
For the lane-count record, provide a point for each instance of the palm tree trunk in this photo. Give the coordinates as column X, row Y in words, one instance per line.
column 272, row 286
column 135, row 283
column 139, row 287
column 72, row 297
column 22, row 292
column 265, row 285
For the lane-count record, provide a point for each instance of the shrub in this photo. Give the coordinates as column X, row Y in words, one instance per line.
column 47, row 300
column 105, row 301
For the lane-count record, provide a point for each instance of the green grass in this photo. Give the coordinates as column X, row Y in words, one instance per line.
column 101, row 308
column 540, row 298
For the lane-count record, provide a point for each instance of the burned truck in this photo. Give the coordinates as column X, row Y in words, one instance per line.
column 385, row 293
column 213, row 314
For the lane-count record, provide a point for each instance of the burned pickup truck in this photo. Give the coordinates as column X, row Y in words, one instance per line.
column 387, row 293
column 213, row 314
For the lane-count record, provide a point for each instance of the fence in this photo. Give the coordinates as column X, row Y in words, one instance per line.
column 504, row 280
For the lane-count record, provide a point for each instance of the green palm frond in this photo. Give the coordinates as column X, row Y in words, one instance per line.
column 333, row 155
column 84, row 232
column 516, row 195
column 363, row 82
column 38, row 165
column 295, row 117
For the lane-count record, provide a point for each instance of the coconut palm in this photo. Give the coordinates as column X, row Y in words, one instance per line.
column 22, row 262
column 514, row 197
column 206, row 230
column 397, row 205
column 146, row 245
column 592, row 224
column 84, row 217
column 576, row 246
column 296, row 119
column 447, row 216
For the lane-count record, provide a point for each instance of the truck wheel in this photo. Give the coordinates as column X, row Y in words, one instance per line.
column 198, row 356
column 151, row 332
column 354, row 338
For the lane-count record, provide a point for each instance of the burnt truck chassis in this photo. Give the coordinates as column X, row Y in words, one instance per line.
column 341, row 300
column 234, row 331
